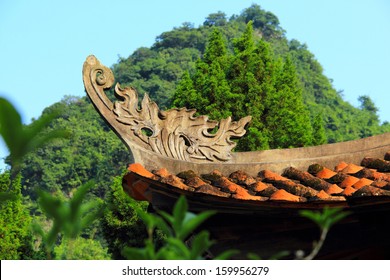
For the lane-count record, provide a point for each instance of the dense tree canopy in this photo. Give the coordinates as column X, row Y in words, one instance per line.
column 186, row 48
column 249, row 82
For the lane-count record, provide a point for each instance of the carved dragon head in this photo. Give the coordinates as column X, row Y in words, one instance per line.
column 175, row 133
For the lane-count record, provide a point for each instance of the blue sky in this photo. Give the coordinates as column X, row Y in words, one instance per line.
column 43, row 44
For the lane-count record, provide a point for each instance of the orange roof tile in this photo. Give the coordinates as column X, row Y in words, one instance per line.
column 349, row 181
column 334, row 189
column 195, row 182
column 162, row 172
column 323, row 195
column 362, row 182
column 258, row 186
column 269, row 175
column 285, row 196
column 140, row 170
column 352, row 168
column 348, row 191
column 293, row 185
column 325, row 173
column 340, row 166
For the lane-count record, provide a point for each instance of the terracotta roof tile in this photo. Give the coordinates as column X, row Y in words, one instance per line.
column 349, row 181
column 380, row 176
column 258, row 186
column 294, row 188
column 307, row 179
column 211, row 190
column 140, row 170
column 213, row 176
column 348, row 191
column 271, row 176
column 340, row 166
column 269, row 191
column 314, row 168
column 325, row 173
column 247, row 196
column 242, row 178
column 322, row 195
column 195, row 182
column 162, row 172
column 285, row 196
column 371, row 191
column 351, row 169
column 362, row 182
column 381, row 184
column 334, row 189
column 318, row 184
column 187, row 174
column 176, row 182
column 380, row 165
column 338, row 178
column 226, row 185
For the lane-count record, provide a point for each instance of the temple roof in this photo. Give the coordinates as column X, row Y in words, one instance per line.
column 331, row 184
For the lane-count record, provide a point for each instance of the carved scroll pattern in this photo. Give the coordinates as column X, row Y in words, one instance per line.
column 174, row 133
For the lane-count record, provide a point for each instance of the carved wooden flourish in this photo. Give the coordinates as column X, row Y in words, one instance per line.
column 175, row 133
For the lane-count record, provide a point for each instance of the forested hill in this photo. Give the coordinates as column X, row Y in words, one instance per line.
column 94, row 152
column 158, row 69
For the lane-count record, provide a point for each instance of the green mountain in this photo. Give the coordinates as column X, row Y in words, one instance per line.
column 157, row 70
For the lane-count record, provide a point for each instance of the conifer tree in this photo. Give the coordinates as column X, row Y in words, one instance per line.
column 251, row 82
column 247, row 77
column 186, row 95
column 287, row 119
column 209, row 91
column 319, row 135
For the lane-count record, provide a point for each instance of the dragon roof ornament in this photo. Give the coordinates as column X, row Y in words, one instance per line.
column 175, row 133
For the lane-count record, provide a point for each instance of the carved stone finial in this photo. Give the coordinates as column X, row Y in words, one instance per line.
column 175, row 133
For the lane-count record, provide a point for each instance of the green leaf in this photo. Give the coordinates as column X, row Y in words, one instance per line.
column 179, row 248
column 200, row 244
column 10, row 127
column 166, row 216
column 327, row 218
column 226, row 255
column 51, row 206
column 179, row 212
column 162, row 225
column 79, row 195
column 193, row 223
